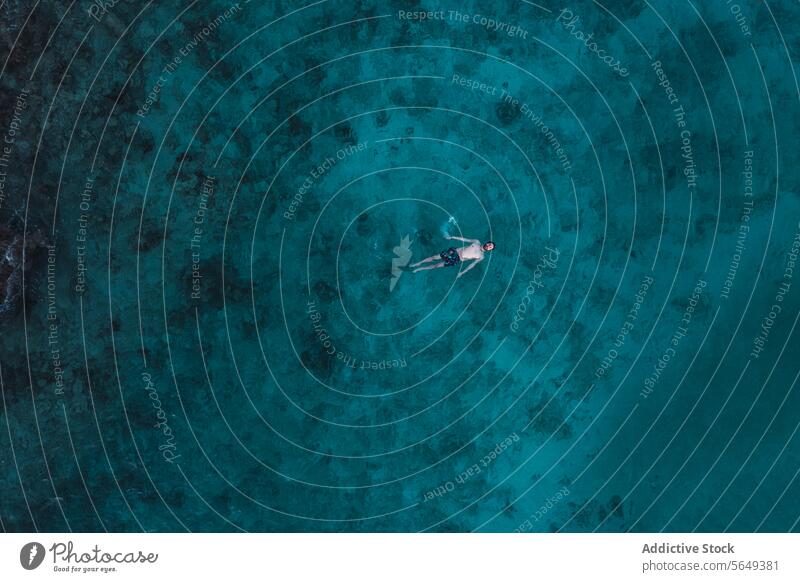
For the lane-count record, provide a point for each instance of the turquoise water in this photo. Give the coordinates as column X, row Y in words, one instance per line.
column 209, row 214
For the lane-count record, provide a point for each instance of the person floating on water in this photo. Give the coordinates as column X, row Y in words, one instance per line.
column 453, row 256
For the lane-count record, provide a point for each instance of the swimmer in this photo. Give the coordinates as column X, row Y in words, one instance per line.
column 453, row 256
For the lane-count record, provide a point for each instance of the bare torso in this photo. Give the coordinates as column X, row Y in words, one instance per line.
column 473, row 251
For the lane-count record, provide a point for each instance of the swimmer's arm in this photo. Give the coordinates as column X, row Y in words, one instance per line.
column 462, row 239
column 472, row 264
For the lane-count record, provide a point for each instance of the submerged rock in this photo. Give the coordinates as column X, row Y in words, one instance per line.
column 13, row 261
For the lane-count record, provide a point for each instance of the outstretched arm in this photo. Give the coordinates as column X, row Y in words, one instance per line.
column 472, row 264
column 462, row 239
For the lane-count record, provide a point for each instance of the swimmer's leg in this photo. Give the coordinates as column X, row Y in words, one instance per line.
column 437, row 266
column 428, row 260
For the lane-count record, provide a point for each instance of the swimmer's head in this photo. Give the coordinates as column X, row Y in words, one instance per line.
column 488, row 246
